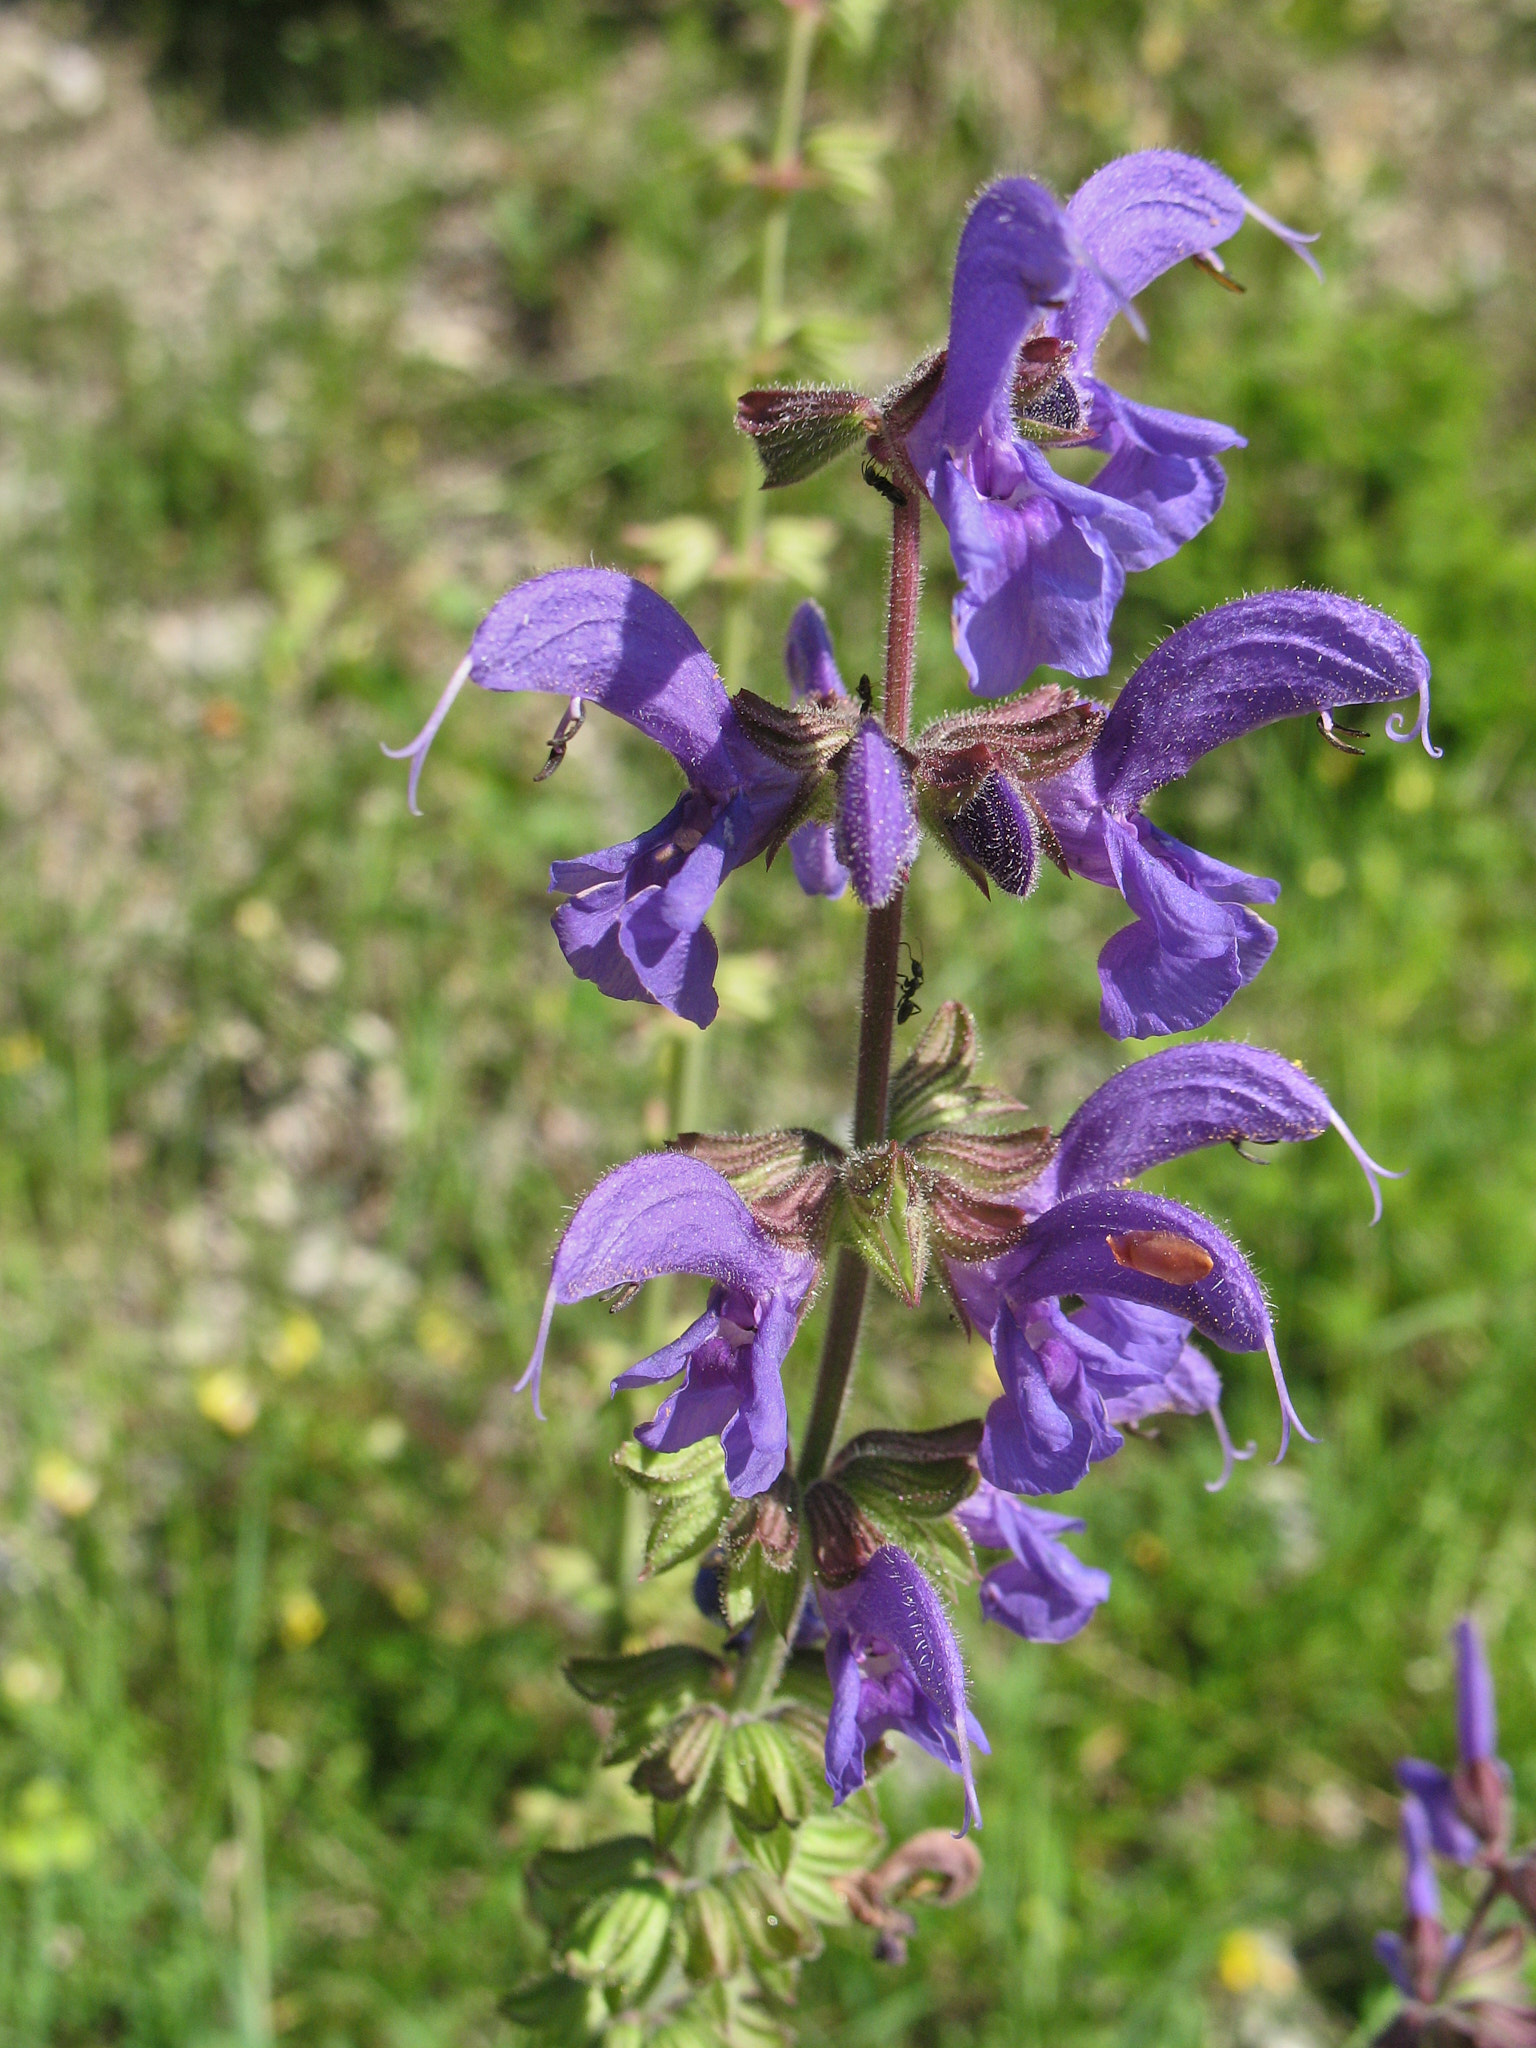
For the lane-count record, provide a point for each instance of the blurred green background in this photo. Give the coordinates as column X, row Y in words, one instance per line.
column 318, row 328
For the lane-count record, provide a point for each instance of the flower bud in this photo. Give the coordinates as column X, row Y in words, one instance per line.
column 877, row 835
column 994, row 830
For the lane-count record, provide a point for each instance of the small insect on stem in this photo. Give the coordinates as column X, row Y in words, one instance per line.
column 866, row 696
column 572, row 719
column 1330, row 732
column 879, row 481
column 908, row 1006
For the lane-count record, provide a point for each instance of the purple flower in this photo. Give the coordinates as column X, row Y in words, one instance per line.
column 877, row 835
column 1477, row 1725
column 1043, row 561
column 1278, row 655
column 668, row 1213
column 1043, row 1593
column 1124, row 1354
column 895, row 1667
column 635, row 920
column 812, row 670
column 1435, row 1794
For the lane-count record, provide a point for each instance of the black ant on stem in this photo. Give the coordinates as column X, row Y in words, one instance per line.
column 908, row 1006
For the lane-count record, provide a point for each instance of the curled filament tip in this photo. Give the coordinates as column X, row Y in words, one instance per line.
column 1229, row 1453
column 1289, row 1419
column 417, row 750
column 533, row 1372
column 1419, row 730
column 1373, row 1172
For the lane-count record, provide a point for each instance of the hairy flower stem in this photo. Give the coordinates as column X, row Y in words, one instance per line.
column 877, row 1016
column 1471, row 1931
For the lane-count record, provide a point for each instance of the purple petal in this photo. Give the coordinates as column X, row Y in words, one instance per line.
column 995, row 830
column 1393, row 1957
column 1049, row 1427
column 1477, row 1731
column 1421, row 1892
column 1164, row 464
column 1139, row 216
column 808, row 657
column 1037, row 586
column 891, row 1607
column 1449, row 1834
column 1014, row 262
column 1067, row 1251
column 604, row 637
column 1278, row 655
column 757, row 1441
column 663, row 1213
column 1177, row 1101
column 877, row 835
column 1045, row 1594
column 1184, row 958
column 817, row 867
column 845, row 1738
column 587, row 929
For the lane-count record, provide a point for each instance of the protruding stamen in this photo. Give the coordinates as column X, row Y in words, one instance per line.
column 1229, row 1453
column 572, row 719
column 1289, row 1419
column 1419, row 730
column 418, row 749
column 1329, row 731
column 1208, row 261
column 1368, row 1166
column 535, row 1366
column 1293, row 238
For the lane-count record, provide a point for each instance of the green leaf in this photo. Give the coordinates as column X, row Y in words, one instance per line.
column 685, row 550
column 561, row 1881
column 886, row 1486
column 914, row 1446
column 798, row 549
column 620, row 1939
column 848, row 155
column 686, row 1493
column 855, row 22
column 647, row 1692
column 880, row 1214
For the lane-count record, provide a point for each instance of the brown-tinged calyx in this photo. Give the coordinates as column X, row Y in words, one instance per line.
column 788, row 1179
column 843, row 1539
column 798, row 429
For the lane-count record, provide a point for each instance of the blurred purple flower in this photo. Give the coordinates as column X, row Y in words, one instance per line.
column 668, row 1213
column 1279, row 655
column 634, row 924
column 1043, row 561
column 895, row 1667
column 1043, row 1593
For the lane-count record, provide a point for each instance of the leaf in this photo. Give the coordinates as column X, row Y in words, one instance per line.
column 848, row 155
column 887, row 1487
column 798, row 549
column 561, row 1881
column 685, row 550
column 855, row 22
column 687, row 1494
column 620, row 1939
column 914, row 1446
column 647, row 1692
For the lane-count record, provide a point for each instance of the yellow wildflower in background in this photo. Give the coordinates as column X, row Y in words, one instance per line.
column 226, row 1397
column 296, row 1346
column 300, row 1619
column 1251, row 1961
column 65, row 1486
